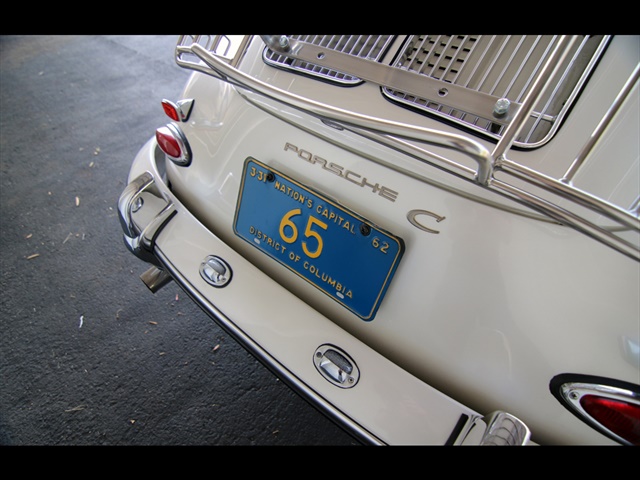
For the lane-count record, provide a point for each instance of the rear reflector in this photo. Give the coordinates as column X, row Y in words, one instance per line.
column 171, row 110
column 178, row 112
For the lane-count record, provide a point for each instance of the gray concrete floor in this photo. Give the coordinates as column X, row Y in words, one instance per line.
column 88, row 356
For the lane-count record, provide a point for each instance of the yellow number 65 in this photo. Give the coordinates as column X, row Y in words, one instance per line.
column 308, row 232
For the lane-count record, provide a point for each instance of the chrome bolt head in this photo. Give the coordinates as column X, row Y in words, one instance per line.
column 137, row 204
column 501, row 107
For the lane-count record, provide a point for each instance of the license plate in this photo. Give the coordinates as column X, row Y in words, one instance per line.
column 339, row 252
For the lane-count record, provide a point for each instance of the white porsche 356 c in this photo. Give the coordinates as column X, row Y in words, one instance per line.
column 434, row 239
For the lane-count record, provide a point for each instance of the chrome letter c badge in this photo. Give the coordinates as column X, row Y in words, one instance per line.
column 411, row 216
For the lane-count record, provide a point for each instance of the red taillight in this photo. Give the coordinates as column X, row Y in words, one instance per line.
column 609, row 405
column 171, row 110
column 168, row 142
column 622, row 418
column 174, row 144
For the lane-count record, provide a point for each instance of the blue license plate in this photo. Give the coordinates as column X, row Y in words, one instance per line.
column 341, row 253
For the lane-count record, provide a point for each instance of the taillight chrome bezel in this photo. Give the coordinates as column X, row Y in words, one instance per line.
column 570, row 389
column 173, row 132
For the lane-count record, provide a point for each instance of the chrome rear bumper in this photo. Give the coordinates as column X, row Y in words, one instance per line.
column 159, row 230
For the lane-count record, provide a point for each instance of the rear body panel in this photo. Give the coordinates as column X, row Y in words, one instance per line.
column 487, row 297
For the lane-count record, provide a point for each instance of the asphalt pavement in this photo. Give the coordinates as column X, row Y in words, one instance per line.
column 88, row 356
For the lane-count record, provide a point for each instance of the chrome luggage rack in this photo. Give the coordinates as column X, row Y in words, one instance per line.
column 557, row 198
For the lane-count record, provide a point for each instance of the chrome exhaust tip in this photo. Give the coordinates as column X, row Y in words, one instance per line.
column 155, row 278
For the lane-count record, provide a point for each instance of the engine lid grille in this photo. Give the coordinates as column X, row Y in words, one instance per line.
column 502, row 66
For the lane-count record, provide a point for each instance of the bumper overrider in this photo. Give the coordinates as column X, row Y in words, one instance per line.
column 371, row 397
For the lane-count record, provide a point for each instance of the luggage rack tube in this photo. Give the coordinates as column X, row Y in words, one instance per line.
column 225, row 71
column 209, row 62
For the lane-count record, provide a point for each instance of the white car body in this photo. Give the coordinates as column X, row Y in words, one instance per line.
column 515, row 269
